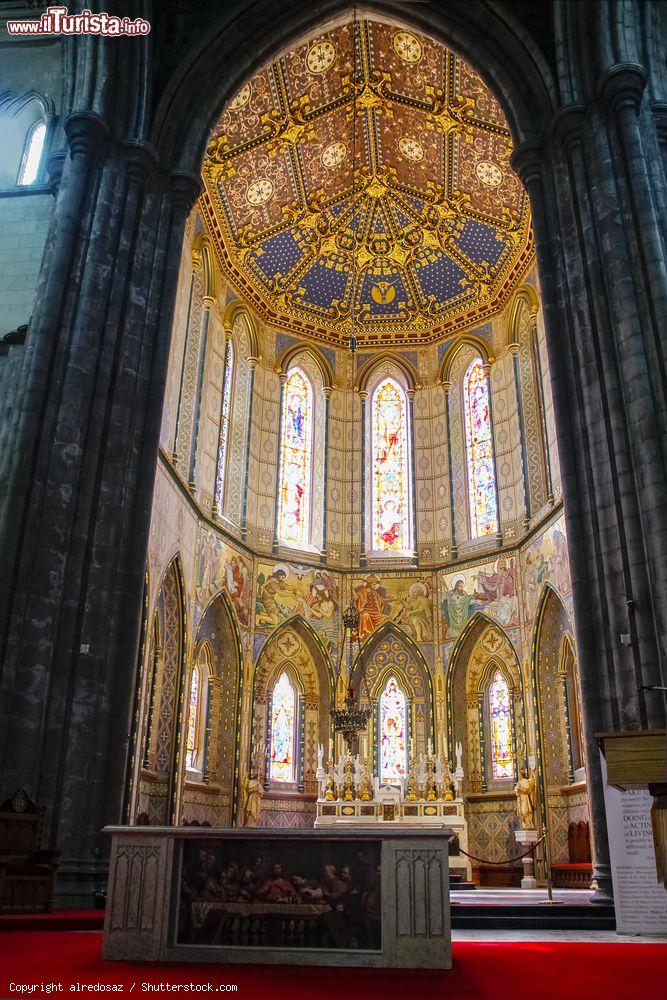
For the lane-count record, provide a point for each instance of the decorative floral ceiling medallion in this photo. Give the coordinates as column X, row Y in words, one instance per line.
column 320, row 57
column 407, row 47
column 411, row 149
column 365, row 177
column 489, row 173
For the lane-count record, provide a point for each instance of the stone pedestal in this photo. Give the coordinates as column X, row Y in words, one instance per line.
column 526, row 839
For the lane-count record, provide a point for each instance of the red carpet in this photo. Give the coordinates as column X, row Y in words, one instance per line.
column 500, row 971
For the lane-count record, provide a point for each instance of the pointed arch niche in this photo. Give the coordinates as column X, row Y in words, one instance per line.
column 292, row 661
column 482, row 657
column 560, row 737
column 157, row 801
column 391, row 655
column 209, row 786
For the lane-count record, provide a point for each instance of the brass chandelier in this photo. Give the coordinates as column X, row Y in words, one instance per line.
column 352, row 719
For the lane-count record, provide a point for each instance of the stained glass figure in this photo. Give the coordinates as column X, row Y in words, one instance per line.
column 393, row 733
column 295, row 460
column 283, row 717
column 33, row 154
column 193, row 712
column 479, row 452
column 500, row 716
column 224, row 425
column 390, row 483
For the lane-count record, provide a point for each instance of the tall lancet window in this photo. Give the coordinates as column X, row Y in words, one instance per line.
column 296, row 460
column 479, row 452
column 225, row 408
column 501, row 725
column 393, row 733
column 32, row 154
column 283, row 730
column 390, row 483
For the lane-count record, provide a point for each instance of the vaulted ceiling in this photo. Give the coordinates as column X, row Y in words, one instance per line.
column 363, row 181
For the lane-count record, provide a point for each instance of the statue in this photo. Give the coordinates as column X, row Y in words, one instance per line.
column 525, row 798
column 459, row 756
column 252, row 800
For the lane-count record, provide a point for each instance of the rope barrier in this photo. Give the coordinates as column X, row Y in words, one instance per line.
column 485, row 861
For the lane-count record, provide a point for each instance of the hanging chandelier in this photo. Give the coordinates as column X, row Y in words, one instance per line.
column 352, row 719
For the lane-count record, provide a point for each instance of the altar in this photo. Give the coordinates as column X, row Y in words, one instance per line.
column 375, row 896
column 351, row 795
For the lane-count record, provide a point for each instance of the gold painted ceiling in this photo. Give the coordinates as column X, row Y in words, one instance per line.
column 363, row 181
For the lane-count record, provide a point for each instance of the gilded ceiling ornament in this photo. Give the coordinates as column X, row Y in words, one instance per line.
column 410, row 149
column 241, row 99
column 381, row 231
column 489, row 173
column 320, row 56
column 259, row 192
column 407, row 47
column 334, row 155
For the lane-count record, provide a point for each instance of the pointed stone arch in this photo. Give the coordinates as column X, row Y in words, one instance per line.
column 215, row 801
column 390, row 650
column 482, row 647
column 549, row 691
column 296, row 649
column 157, row 802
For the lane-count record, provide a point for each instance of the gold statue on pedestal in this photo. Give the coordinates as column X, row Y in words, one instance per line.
column 526, row 800
column 253, row 792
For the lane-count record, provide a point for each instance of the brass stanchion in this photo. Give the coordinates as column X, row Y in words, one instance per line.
column 550, row 901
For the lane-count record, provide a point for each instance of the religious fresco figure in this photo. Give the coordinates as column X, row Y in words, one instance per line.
column 457, row 607
column 499, row 587
column 371, row 603
column 268, row 597
column 416, row 612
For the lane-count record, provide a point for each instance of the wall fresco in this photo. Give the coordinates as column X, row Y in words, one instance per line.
column 285, row 590
column 491, row 588
column 408, row 601
column 220, row 567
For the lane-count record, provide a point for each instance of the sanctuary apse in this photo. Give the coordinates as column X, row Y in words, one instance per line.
column 414, row 477
column 312, row 311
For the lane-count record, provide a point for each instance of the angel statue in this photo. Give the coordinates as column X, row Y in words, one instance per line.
column 525, row 800
column 252, row 800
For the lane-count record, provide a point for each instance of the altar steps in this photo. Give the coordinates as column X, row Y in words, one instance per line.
column 512, row 910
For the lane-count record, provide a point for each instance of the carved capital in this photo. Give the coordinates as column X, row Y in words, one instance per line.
column 87, row 133
column 567, row 126
column 141, row 158
column 527, row 162
column 623, row 85
column 186, row 188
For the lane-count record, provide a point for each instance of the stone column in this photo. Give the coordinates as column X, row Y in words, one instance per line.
column 487, row 375
column 77, row 487
column 447, row 386
column 514, row 351
column 323, row 549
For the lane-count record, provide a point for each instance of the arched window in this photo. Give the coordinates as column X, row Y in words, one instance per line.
column 193, row 721
column 296, row 460
column 32, row 154
column 479, row 452
column 393, row 733
column 223, row 434
column 390, row 478
column 501, row 728
column 283, row 730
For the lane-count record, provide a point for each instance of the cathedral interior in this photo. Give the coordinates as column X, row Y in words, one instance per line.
column 368, row 323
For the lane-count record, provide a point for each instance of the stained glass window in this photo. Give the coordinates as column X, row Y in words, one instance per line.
column 33, row 154
column 295, row 460
column 393, row 733
column 390, row 483
column 283, row 720
column 500, row 717
column 193, row 713
column 224, row 425
column 479, row 452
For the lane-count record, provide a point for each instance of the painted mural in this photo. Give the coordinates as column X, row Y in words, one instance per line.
column 284, row 590
column 404, row 600
column 491, row 588
column 545, row 561
column 220, row 567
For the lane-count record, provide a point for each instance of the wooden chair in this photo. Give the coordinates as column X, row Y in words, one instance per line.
column 27, row 873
